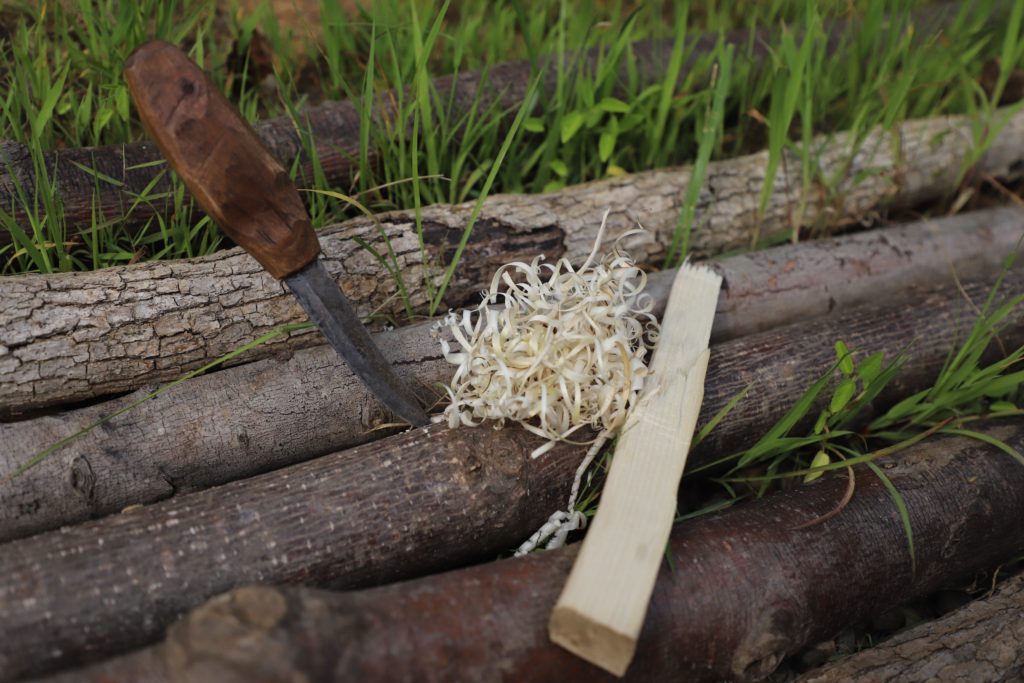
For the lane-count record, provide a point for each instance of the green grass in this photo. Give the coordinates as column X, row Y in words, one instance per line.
column 61, row 68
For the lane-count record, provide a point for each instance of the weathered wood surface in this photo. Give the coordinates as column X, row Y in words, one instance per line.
column 747, row 588
column 980, row 643
column 423, row 501
column 334, row 128
column 234, row 423
column 399, row 507
column 70, row 337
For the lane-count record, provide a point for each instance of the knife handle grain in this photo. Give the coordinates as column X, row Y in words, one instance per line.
column 220, row 158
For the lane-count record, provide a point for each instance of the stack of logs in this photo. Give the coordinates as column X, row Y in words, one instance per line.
column 262, row 489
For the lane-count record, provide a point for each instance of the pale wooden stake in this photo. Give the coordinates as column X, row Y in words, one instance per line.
column 600, row 612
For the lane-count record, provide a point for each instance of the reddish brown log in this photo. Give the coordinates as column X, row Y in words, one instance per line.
column 400, row 507
column 745, row 588
column 230, row 424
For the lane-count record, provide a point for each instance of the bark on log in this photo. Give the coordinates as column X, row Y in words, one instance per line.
column 979, row 642
column 231, row 424
column 748, row 588
column 334, row 127
column 399, row 507
column 72, row 337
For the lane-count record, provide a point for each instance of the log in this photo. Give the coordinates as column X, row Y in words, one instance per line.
column 419, row 502
column 745, row 587
column 71, row 337
column 334, row 128
column 399, row 507
column 979, row 642
column 230, row 424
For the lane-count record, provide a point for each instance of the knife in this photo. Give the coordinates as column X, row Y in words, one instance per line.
column 248, row 193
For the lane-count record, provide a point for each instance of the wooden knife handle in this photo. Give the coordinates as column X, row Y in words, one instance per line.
column 220, row 158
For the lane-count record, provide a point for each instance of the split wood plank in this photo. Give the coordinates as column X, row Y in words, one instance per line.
column 600, row 612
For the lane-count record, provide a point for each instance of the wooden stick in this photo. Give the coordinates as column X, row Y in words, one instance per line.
column 747, row 589
column 600, row 612
column 400, row 507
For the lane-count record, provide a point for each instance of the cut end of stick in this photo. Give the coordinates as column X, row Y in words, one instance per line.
column 591, row 640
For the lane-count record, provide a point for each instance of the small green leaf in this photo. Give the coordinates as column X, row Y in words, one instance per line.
column 553, row 186
column 1002, row 407
column 533, row 125
column 871, row 367
column 819, row 426
column 844, row 392
column 571, row 125
column 844, row 358
column 906, row 406
column 606, row 145
column 613, row 105
column 559, row 167
column 820, row 460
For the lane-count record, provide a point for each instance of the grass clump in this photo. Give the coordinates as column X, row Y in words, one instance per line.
column 806, row 75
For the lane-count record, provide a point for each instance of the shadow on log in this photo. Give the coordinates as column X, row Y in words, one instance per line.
column 236, row 423
column 980, row 642
column 747, row 589
column 418, row 502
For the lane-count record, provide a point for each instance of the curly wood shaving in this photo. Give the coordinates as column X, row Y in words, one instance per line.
column 553, row 348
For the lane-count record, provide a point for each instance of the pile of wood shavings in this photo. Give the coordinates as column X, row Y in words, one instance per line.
column 553, row 348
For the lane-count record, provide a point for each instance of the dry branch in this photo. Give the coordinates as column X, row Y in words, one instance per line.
column 399, row 507
column 235, row 423
column 70, row 337
column 979, row 642
column 747, row 589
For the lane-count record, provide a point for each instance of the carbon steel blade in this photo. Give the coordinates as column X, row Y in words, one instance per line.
column 328, row 308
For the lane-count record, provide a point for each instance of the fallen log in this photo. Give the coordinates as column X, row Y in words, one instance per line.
column 231, row 424
column 76, row 336
column 979, row 642
column 744, row 588
column 108, row 181
column 418, row 502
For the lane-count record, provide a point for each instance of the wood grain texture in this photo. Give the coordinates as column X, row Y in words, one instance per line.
column 399, row 507
column 231, row 424
column 979, row 642
column 746, row 590
column 420, row 502
column 71, row 337
column 221, row 160
column 600, row 612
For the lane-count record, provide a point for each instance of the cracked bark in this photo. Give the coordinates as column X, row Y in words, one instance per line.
column 72, row 337
column 264, row 415
column 979, row 642
column 748, row 589
column 399, row 507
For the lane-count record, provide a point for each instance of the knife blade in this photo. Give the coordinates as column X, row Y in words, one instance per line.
column 244, row 189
